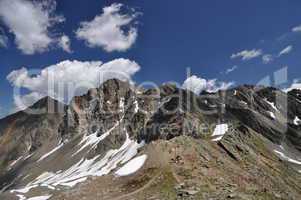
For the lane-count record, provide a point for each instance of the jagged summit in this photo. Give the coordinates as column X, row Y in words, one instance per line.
column 244, row 143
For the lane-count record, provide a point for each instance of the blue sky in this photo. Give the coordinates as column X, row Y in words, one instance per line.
column 174, row 35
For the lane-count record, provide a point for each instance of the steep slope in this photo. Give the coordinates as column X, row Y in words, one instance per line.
column 24, row 133
column 238, row 143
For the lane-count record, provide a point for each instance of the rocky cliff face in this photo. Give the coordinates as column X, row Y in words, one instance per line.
column 199, row 145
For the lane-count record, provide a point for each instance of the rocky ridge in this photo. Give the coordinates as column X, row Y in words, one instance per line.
column 240, row 143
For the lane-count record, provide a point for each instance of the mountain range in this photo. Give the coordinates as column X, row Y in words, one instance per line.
column 120, row 141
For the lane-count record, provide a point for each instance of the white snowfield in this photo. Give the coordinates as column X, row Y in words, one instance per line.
column 61, row 144
column 21, row 197
column 136, row 108
column 132, row 166
column 287, row 158
column 297, row 121
column 272, row 115
column 15, row 162
column 40, row 198
column 272, row 104
column 219, row 131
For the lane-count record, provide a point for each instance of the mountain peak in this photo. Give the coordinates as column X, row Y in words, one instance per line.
column 48, row 104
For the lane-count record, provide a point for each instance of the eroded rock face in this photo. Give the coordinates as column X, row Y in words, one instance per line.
column 104, row 127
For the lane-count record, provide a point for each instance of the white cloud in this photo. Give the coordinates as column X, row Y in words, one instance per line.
column 108, row 29
column 231, row 69
column 296, row 29
column 295, row 85
column 198, row 84
column 247, row 54
column 30, row 22
column 286, row 50
column 24, row 101
column 267, row 58
column 213, row 85
column 195, row 84
column 67, row 79
column 65, row 43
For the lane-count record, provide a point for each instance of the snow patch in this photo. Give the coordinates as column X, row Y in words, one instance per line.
column 219, row 131
column 243, row 102
column 14, row 163
column 121, row 104
column 272, row 115
column 23, row 190
column 136, row 109
column 132, row 166
column 272, row 104
column 297, row 121
column 21, row 197
column 287, row 158
column 92, row 139
column 51, row 152
column 40, row 198
column 217, row 138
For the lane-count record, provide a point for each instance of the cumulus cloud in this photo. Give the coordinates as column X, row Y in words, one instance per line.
column 65, row 43
column 30, row 22
column 296, row 29
column 231, row 69
column 198, row 84
column 267, row 58
column 24, row 101
column 286, row 50
column 294, row 86
column 111, row 30
column 67, row 79
column 247, row 54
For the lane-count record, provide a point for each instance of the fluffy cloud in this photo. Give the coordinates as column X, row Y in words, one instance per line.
column 296, row 86
column 67, row 79
column 65, row 43
column 30, row 22
column 247, row 54
column 286, row 50
column 198, row 84
column 231, row 69
column 24, row 101
column 296, row 29
column 111, row 30
column 267, row 58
